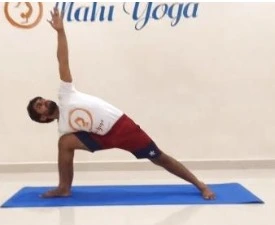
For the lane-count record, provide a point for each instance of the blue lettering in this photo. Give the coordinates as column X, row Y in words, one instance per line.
column 194, row 12
column 163, row 10
column 178, row 13
column 86, row 13
column 111, row 13
column 136, row 11
column 78, row 12
column 139, row 14
column 149, row 11
column 101, row 11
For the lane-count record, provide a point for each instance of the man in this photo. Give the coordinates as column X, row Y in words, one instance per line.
column 89, row 123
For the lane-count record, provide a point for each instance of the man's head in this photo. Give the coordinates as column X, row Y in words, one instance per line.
column 42, row 111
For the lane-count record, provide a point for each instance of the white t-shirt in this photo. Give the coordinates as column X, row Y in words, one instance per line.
column 82, row 112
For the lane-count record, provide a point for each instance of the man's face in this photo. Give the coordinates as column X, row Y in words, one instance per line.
column 46, row 108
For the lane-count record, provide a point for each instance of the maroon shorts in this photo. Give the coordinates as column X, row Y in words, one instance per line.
column 125, row 135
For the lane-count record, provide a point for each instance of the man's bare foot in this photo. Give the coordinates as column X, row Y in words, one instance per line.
column 56, row 193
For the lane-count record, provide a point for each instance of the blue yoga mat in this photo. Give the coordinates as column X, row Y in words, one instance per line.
column 232, row 193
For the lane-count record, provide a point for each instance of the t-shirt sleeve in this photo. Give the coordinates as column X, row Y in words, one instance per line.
column 65, row 89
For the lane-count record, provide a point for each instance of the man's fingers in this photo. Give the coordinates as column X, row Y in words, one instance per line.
column 56, row 12
column 56, row 16
column 50, row 22
column 212, row 197
column 62, row 15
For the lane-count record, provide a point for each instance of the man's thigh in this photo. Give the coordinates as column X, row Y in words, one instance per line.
column 73, row 142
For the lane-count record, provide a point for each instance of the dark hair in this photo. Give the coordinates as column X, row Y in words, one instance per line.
column 35, row 116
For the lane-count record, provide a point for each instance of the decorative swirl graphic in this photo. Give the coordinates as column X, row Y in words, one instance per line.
column 27, row 14
column 80, row 119
column 28, row 19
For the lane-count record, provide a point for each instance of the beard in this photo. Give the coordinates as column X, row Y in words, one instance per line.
column 52, row 108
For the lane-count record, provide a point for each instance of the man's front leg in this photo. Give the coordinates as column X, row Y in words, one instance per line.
column 175, row 167
column 65, row 168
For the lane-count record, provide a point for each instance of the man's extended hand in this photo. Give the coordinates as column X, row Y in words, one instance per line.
column 57, row 20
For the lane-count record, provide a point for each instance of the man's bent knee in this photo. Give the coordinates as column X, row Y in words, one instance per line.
column 161, row 160
column 70, row 141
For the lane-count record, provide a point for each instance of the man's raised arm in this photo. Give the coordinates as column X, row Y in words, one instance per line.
column 62, row 46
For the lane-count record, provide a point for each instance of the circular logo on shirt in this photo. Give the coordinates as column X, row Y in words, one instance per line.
column 81, row 120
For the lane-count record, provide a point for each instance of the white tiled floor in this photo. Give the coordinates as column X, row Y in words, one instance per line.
column 261, row 182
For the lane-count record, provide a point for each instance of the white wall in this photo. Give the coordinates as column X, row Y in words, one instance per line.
column 203, row 89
